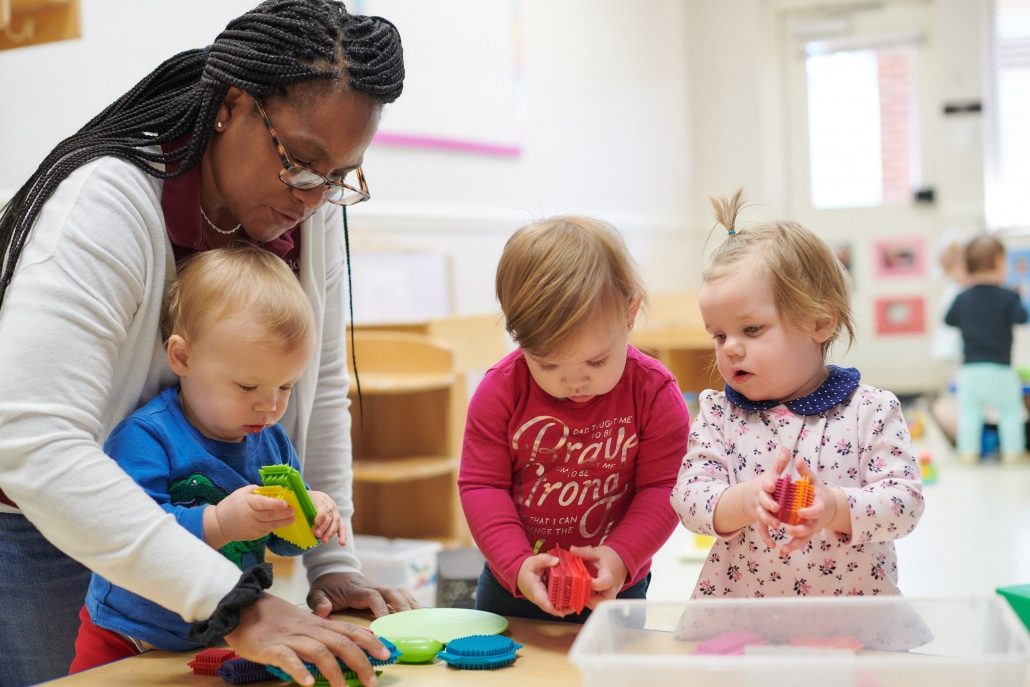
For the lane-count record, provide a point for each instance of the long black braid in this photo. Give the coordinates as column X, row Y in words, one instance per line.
column 275, row 45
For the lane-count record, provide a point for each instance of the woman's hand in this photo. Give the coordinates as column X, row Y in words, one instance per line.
column 339, row 591
column 611, row 572
column 530, row 581
column 275, row 632
column 327, row 521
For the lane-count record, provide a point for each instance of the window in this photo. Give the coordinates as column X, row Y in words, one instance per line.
column 862, row 124
column 1008, row 121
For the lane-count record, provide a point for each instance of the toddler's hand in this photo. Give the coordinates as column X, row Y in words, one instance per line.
column 758, row 503
column 245, row 516
column 815, row 517
column 611, row 572
column 327, row 521
column 530, row 581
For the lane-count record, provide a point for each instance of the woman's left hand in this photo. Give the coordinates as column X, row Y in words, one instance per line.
column 339, row 591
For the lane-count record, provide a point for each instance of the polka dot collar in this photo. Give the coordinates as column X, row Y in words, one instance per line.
column 841, row 383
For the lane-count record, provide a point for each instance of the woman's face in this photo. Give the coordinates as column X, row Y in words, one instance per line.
column 327, row 132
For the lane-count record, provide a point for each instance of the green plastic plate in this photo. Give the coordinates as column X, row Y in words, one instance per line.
column 441, row 624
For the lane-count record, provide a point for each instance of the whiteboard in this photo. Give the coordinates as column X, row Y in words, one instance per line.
column 463, row 86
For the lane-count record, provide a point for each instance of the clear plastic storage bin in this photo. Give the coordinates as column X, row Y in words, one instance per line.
column 407, row 563
column 850, row 641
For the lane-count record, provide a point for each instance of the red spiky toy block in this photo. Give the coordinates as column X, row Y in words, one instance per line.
column 568, row 583
column 792, row 497
column 208, row 661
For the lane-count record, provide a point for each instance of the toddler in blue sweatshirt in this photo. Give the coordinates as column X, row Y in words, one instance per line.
column 239, row 332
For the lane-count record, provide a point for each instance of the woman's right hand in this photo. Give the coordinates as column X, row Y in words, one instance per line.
column 275, row 632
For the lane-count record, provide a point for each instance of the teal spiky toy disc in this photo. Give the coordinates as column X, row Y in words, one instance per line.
column 480, row 652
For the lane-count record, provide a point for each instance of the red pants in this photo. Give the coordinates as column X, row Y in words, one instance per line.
column 96, row 646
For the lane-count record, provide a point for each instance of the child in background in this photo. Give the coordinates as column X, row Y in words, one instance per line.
column 573, row 439
column 985, row 314
column 774, row 299
column 239, row 333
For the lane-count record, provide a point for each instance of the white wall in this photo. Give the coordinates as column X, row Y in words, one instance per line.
column 636, row 112
column 606, row 129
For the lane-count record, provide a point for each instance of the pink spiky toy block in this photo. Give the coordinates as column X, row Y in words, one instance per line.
column 730, row 643
column 568, row 583
column 792, row 497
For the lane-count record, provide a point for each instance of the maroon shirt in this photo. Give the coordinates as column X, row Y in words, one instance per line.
column 180, row 201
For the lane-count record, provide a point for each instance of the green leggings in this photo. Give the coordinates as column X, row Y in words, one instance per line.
column 989, row 384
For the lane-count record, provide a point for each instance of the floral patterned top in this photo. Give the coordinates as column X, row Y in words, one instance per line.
column 853, row 436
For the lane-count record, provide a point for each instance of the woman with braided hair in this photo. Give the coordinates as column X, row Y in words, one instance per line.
column 260, row 136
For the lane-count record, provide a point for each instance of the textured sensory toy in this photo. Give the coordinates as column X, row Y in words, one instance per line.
column 730, row 643
column 240, row 671
column 480, row 652
column 349, row 675
column 792, row 497
column 284, row 482
column 208, row 661
column 568, row 583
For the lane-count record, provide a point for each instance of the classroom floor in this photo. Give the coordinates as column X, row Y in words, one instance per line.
column 974, row 535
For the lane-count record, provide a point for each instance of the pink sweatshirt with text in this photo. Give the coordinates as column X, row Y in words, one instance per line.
column 576, row 474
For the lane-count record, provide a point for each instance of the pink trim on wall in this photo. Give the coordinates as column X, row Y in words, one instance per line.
column 448, row 144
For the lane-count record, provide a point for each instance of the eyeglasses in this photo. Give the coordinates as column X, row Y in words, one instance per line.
column 347, row 190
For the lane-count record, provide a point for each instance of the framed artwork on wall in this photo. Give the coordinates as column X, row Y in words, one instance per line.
column 1018, row 277
column 900, row 257
column 900, row 315
column 463, row 89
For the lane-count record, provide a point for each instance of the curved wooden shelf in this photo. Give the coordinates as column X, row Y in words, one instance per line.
column 402, row 383
column 405, row 469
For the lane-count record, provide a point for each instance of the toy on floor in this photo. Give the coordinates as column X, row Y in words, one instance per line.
column 349, row 675
column 284, row 482
column 916, row 424
column 927, row 469
column 568, row 583
column 792, row 497
column 1019, row 598
column 480, row 652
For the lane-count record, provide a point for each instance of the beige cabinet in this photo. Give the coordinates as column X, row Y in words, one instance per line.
column 407, row 430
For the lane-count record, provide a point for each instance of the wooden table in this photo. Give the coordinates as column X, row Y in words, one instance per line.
column 542, row 661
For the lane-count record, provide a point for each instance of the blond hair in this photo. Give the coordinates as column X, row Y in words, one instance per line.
column 238, row 279
column 556, row 274
column 808, row 280
column 982, row 254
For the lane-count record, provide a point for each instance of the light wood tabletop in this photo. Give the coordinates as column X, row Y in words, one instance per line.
column 542, row 662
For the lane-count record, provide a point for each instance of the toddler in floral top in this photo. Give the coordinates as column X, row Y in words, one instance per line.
column 774, row 299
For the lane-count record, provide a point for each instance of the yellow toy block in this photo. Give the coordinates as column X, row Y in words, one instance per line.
column 297, row 532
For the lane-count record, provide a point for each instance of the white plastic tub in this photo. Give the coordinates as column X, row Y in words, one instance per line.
column 906, row 642
column 406, row 563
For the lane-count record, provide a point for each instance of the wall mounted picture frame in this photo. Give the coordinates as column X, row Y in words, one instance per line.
column 900, row 315
column 1018, row 276
column 900, row 257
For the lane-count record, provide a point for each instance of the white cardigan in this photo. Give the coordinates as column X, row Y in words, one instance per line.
column 80, row 350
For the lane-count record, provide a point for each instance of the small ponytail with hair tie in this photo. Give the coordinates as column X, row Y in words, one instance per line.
column 727, row 208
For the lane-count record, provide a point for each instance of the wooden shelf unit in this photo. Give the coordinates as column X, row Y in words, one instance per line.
column 407, row 441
